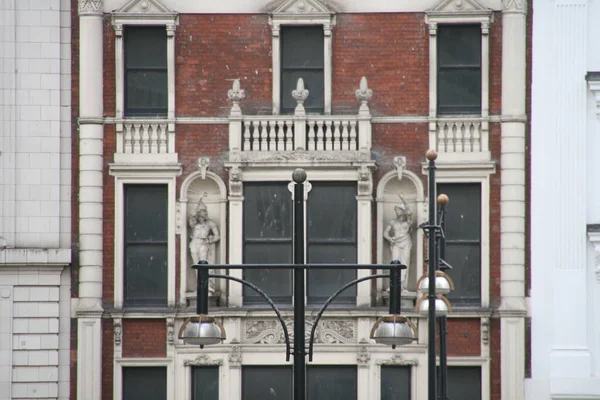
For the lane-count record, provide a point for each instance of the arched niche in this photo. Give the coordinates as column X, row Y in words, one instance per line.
column 209, row 187
column 409, row 186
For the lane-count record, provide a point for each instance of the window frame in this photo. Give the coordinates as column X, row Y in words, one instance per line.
column 125, row 176
column 322, row 18
column 121, row 363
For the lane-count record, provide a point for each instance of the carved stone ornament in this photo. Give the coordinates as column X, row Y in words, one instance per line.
column 300, row 155
column 398, row 359
column 363, row 357
column 202, row 359
column 170, row 331
column 300, row 6
column 178, row 218
column 236, row 94
column 91, row 7
column 235, row 182
column 203, row 164
column 235, row 357
column 485, row 331
column 514, row 5
column 400, row 164
column 364, row 94
column 458, row 6
column 365, row 181
column 329, row 331
column 118, row 331
column 593, row 232
column 144, row 6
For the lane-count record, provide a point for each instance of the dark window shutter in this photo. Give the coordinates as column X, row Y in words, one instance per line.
column 146, row 245
column 266, row 382
column 463, row 240
column 464, row 383
column 459, row 69
column 302, row 56
column 331, row 382
column 146, row 92
column 144, row 383
column 205, row 383
column 395, row 382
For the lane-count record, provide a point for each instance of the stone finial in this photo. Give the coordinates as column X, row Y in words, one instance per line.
column 364, row 94
column 300, row 95
column 236, row 94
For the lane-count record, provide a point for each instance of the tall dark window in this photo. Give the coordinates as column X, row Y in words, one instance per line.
column 146, row 91
column 395, row 382
column 266, row 382
column 302, row 56
column 464, row 383
column 145, row 245
column 331, row 382
column 205, row 383
column 331, row 239
column 268, row 238
column 463, row 240
column 144, row 383
column 459, row 69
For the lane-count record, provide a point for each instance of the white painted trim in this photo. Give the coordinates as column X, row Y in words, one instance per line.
column 143, row 177
column 119, row 364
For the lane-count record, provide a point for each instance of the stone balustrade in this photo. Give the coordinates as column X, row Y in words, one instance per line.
column 140, row 140
column 460, row 138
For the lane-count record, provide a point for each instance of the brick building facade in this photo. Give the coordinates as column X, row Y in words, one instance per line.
column 184, row 106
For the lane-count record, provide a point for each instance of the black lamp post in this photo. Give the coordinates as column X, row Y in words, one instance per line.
column 392, row 330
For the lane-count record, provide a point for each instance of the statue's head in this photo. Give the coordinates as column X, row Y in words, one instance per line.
column 202, row 215
column 401, row 213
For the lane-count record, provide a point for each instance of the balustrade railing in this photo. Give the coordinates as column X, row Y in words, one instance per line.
column 461, row 137
column 144, row 140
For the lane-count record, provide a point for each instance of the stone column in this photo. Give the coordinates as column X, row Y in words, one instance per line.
column 512, row 230
column 89, row 307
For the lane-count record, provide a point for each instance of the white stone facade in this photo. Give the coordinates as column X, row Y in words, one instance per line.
column 35, row 193
column 565, row 339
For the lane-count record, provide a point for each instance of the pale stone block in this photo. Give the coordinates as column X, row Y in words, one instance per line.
column 55, row 67
column 64, row 373
column 39, row 34
column 51, row 177
column 40, row 5
column 49, row 209
column 53, row 294
column 5, row 339
column 38, row 325
column 25, row 310
column 28, row 176
column 65, row 95
column 55, row 128
column 64, row 341
column 49, row 144
column 48, row 309
column 22, row 33
column 31, row 113
column 29, row 207
column 63, row 390
column 53, row 357
column 5, row 390
column 64, row 358
column 20, row 325
column 20, row 357
column 50, row 113
column 28, row 277
column 54, row 34
column 39, row 97
column 30, row 81
column 38, row 390
column 23, row 66
column 25, row 374
column 23, row 97
column 65, row 18
column 27, row 342
column 65, row 35
column 29, row 50
column 38, row 128
column 21, row 293
column 49, row 81
column 19, row 390
column 39, row 357
column 49, row 342
column 29, row 144
column 54, row 99
column 40, row 161
column 50, row 18
column 48, row 374
column 53, row 326
column 40, row 66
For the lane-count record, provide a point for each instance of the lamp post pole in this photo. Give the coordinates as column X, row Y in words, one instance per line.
column 432, row 268
column 443, row 321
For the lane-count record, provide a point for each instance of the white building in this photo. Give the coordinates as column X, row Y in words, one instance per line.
column 35, row 193
column 565, row 211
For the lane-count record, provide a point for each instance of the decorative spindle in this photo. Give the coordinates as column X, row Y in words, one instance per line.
column 236, row 94
column 300, row 95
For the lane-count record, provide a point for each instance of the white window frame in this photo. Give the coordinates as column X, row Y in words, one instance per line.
column 474, row 173
column 127, row 176
column 121, row 363
column 363, row 216
column 290, row 14
column 134, row 14
column 183, row 373
column 482, row 363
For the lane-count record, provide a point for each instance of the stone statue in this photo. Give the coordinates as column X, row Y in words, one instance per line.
column 398, row 233
column 204, row 233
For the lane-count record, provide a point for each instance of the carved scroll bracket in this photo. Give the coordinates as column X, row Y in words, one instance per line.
column 202, row 359
column 400, row 165
column 203, row 164
column 593, row 232
column 118, row 331
column 170, row 331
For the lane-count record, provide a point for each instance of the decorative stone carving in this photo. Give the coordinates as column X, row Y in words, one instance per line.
column 329, row 331
column 299, row 155
column 399, row 234
column 301, row 6
column 204, row 234
column 236, row 94
column 235, row 356
column 514, row 5
column 118, row 331
column 398, row 359
column 235, row 181
column 485, row 331
column 363, row 357
column 364, row 94
column 91, row 7
column 178, row 218
column 593, row 232
column 300, row 94
column 400, row 164
column 458, row 6
column 365, row 181
column 202, row 359
column 143, row 7
column 203, row 164
column 593, row 80
column 170, row 331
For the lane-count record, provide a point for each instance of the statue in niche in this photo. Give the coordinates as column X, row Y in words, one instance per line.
column 398, row 233
column 204, row 233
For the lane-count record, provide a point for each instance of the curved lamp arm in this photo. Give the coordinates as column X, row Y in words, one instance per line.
column 268, row 300
column 328, row 302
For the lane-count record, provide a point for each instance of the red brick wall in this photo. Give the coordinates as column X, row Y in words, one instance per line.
column 144, row 338
column 463, row 338
column 108, row 344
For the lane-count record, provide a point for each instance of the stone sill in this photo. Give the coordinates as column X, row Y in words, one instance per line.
column 35, row 257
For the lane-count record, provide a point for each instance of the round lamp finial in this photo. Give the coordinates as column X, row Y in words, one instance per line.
column 443, row 199
column 299, row 175
column 431, row 155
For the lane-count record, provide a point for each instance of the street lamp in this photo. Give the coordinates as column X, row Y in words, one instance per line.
column 394, row 329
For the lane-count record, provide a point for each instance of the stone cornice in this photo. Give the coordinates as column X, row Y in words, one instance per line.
column 91, row 7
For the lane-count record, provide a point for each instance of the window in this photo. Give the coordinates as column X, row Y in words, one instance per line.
column 275, row 382
column 463, row 240
column 395, row 382
column 459, row 69
column 205, row 383
column 266, row 382
column 331, row 238
column 144, row 383
column 463, row 383
column 146, row 81
column 145, row 245
column 302, row 56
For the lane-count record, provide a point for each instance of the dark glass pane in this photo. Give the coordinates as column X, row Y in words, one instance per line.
column 277, row 283
column 332, row 212
column 144, row 383
column 205, row 383
column 267, row 211
column 146, row 92
column 459, row 91
column 146, row 47
column 322, row 283
column 464, row 383
column 266, row 383
column 146, row 274
column 465, row 260
column 146, row 209
column 463, row 217
column 331, row 382
column 302, row 47
column 395, row 383
column 313, row 82
column 459, row 45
